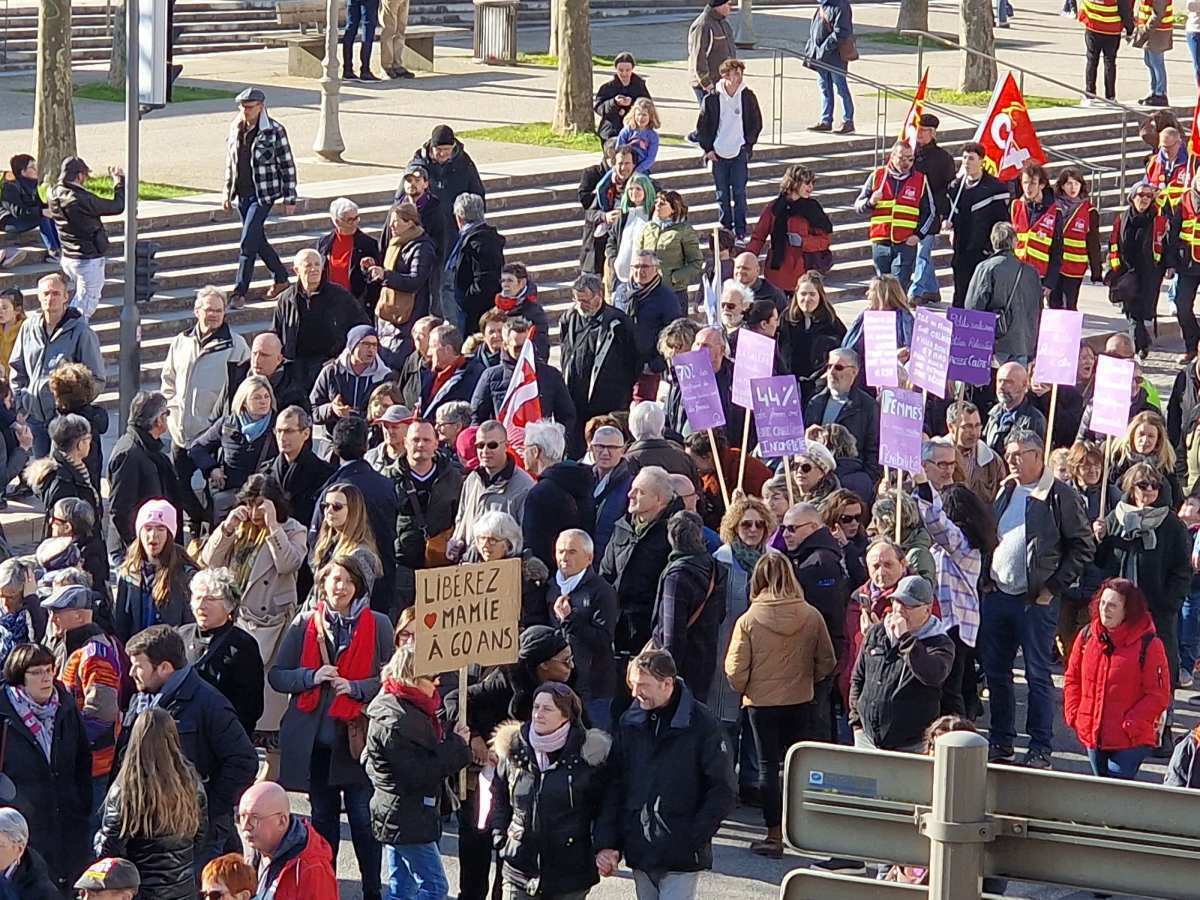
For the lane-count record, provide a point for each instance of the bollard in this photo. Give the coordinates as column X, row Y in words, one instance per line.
column 958, row 826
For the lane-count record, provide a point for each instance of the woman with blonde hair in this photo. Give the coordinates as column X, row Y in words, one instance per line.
column 155, row 811
column 1146, row 441
column 808, row 330
column 779, row 650
column 153, row 581
column 345, row 531
column 883, row 293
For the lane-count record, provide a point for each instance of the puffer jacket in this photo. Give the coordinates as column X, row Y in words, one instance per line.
column 1117, row 685
column 678, row 249
column 77, row 212
column 36, row 354
column 791, row 644
column 408, row 763
column 195, row 378
column 689, row 608
column 542, row 819
column 223, row 445
column 165, row 862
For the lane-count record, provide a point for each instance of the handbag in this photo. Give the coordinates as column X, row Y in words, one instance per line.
column 817, row 251
column 356, row 728
column 847, row 47
column 1124, row 290
column 394, row 306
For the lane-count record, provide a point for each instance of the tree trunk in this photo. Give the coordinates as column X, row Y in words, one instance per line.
column 116, row 59
column 914, row 14
column 975, row 31
column 53, row 107
column 573, row 100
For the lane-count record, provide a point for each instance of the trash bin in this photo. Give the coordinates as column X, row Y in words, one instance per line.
column 496, row 31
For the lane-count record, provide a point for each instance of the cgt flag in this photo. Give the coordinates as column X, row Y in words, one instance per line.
column 908, row 131
column 1006, row 132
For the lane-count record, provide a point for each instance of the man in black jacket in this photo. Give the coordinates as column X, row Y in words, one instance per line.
column 599, row 353
column 727, row 130
column 266, row 359
column 414, row 189
column 1014, row 410
column 842, row 403
column 22, row 209
column 450, row 171
column 212, row 738
column 615, row 97
column 450, row 376
column 300, row 472
column 561, row 497
column 978, row 200
column 471, row 276
column 493, row 384
column 896, row 686
column 77, row 213
column 937, row 165
column 672, row 784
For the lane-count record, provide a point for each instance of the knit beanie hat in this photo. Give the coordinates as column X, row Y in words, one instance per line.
column 157, row 512
column 539, row 643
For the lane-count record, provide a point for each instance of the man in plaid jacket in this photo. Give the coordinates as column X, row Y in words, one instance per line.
column 259, row 172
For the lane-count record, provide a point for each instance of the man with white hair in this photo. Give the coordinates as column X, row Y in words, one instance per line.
column 313, row 316
column 613, row 476
column 735, row 300
column 647, row 424
column 845, row 404
column 1012, row 289
column 748, row 272
column 24, row 871
column 637, row 554
column 345, row 247
column 561, row 498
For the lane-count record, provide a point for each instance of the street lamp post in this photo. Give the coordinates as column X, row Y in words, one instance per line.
column 329, row 143
column 745, row 36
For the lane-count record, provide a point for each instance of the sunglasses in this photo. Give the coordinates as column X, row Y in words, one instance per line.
column 333, row 506
column 487, row 445
column 792, row 529
column 211, row 895
column 839, row 367
column 847, row 520
column 731, row 307
column 806, row 467
column 752, row 523
column 1146, row 485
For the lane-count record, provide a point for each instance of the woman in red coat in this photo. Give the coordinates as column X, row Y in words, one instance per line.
column 1117, row 683
column 791, row 221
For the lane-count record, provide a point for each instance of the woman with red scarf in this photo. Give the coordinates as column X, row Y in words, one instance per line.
column 518, row 297
column 409, row 757
column 329, row 664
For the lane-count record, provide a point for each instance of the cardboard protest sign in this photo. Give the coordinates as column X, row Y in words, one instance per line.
column 778, row 416
column 755, row 359
column 972, row 345
column 698, row 388
column 1111, row 399
column 901, row 420
column 1059, row 336
column 467, row 614
column 929, row 354
column 879, row 343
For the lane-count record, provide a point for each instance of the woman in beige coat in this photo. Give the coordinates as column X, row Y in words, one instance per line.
column 780, row 648
column 264, row 548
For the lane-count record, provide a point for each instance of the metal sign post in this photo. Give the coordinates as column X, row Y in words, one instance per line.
column 130, row 351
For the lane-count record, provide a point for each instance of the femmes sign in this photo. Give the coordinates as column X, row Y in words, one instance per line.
column 467, row 614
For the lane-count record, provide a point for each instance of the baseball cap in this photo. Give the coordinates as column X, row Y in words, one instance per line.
column 913, row 590
column 68, row 596
column 110, row 874
column 395, row 414
column 251, row 95
column 415, row 169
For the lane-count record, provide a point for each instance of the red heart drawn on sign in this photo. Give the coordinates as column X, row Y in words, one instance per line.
column 430, row 619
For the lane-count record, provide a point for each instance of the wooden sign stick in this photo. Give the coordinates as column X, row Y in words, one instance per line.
column 745, row 449
column 712, row 442
column 1050, row 423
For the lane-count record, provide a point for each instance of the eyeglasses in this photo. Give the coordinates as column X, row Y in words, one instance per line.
column 283, row 431
column 1146, row 485
column 943, row 463
column 607, row 448
column 252, row 820
column 838, row 367
column 792, row 529
column 333, row 506
column 642, row 266
column 212, row 895
column 487, row 445
column 1140, row 195
column 55, row 520
column 752, row 523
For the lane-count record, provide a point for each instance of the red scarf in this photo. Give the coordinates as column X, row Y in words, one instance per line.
column 356, row 663
column 509, row 304
column 428, row 704
column 443, row 375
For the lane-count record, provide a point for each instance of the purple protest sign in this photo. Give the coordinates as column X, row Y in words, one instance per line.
column 929, row 354
column 755, row 359
column 972, row 345
column 698, row 386
column 777, row 416
column 1059, row 336
column 901, row 421
column 879, row 342
column 1110, row 401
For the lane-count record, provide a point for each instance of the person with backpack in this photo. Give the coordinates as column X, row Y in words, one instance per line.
column 1117, row 683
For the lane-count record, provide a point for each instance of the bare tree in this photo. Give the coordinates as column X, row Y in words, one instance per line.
column 53, row 106
column 573, row 100
column 116, row 59
column 914, row 15
column 975, row 31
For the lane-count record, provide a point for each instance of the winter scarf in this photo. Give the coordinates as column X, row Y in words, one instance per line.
column 545, row 744
column 14, row 629
column 354, row 664
column 508, row 305
column 38, row 717
column 782, row 209
column 253, row 429
column 428, row 704
column 747, row 557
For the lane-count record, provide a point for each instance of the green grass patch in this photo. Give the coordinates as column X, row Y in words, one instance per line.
column 950, row 97
column 890, row 37
column 540, row 134
column 181, row 93
column 550, row 61
column 147, row 190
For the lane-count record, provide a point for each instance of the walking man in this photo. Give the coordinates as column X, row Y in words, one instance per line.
column 710, row 43
column 902, row 212
column 729, row 124
column 77, row 211
column 259, row 172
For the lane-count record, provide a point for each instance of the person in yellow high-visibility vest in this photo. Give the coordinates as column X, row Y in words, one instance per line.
column 1183, row 255
column 902, row 211
column 1103, row 21
column 1155, row 20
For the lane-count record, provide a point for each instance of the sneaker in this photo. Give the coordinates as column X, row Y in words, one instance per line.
column 1037, row 759
column 1003, row 755
column 277, row 288
column 821, row 126
column 401, row 72
column 368, row 75
column 841, row 866
column 348, row 75
column 846, row 127
column 1186, row 679
column 14, row 257
column 1092, row 103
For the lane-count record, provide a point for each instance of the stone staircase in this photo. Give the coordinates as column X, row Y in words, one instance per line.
column 541, row 219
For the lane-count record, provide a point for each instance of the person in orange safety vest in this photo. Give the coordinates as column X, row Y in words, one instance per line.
column 1036, row 218
column 1081, row 238
column 902, row 212
column 1183, row 255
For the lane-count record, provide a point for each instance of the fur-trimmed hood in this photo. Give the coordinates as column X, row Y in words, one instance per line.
column 510, row 742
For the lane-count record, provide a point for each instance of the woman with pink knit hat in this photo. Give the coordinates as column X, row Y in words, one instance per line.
column 153, row 582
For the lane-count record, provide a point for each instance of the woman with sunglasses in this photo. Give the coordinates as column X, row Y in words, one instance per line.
column 155, row 812
column 1135, row 261
column 345, row 531
column 792, row 223
column 815, row 474
column 228, row 877
column 1146, row 441
column 780, row 648
column 1148, row 544
column 745, row 529
column 843, row 514
column 153, row 581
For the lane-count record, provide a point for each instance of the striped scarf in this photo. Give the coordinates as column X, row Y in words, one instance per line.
column 38, row 717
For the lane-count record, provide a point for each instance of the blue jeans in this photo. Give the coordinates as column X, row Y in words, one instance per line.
column 254, row 244
column 894, row 259
column 326, row 802
column 1008, row 623
column 1004, row 11
column 1158, row 72
column 1122, row 764
column 828, row 82
column 415, row 872
column 729, row 178
column 1193, row 42
column 365, row 13
column 600, row 713
column 700, row 93
column 924, row 277
column 45, row 227
column 1189, row 633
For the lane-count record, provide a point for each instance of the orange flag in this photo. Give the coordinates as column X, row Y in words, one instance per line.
column 1006, row 132
column 908, row 131
column 1194, row 137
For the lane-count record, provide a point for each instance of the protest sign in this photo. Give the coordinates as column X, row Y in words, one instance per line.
column 971, row 346
column 778, row 416
column 929, row 354
column 755, row 359
column 879, row 343
column 901, row 420
column 1059, row 336
column 467, row 614
column 1111, row 399
column 698, row 388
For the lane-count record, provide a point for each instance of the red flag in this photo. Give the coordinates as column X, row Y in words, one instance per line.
column 1006, row 132
column 1194, row 137
column 522, row 403
column 908, row 131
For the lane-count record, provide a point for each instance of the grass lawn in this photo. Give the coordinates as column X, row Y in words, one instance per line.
column 889, row 37
column 181, row 93
column 549, row 61
column 950, row 97
column 147, row 190
column 539, row 134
